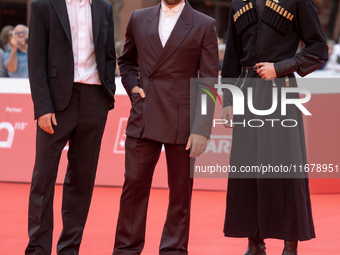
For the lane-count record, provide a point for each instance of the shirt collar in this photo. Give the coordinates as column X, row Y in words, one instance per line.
column 69, row 1
column 178, row 8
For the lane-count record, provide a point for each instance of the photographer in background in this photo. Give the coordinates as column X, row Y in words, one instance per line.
column 16, row 59
column 3, row 71
column 6, row 36
column 333, row 62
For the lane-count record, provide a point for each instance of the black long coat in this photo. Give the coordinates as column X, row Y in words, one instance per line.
column 270, row 207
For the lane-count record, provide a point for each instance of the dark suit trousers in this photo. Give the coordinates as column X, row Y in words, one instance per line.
column 82, row 124
column 141, row 157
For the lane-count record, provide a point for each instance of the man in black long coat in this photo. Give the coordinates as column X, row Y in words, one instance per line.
column 262, row 41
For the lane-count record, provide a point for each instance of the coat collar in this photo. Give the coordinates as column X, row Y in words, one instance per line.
column 61, row 11
column 178, row 34
column 151, row 30
column 177, row 8
column 96, row 17
column 69, row 1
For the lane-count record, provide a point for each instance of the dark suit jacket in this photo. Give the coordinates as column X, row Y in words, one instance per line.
column 164, row 74
column 50, row 55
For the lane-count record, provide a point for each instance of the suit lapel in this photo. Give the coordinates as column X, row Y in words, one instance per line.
column 61, row 10
column 178, row 34
column 151, row 30
column 96, row 16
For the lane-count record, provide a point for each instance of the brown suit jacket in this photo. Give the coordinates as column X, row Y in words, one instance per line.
column 164, row 73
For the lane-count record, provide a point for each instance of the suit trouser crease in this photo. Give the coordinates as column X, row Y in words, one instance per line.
column 180, row 184
column 82, row 124
column 141, row 159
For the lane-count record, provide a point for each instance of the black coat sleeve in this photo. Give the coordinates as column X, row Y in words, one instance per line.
column 231, row 68
column 128, row 61
column 311, row 33
column 208, row 68
column 37, row 58
column 110, row 59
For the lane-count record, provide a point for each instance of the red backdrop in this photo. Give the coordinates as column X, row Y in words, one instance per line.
column 17, row 141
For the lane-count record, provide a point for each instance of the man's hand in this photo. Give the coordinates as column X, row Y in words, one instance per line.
column 139, row 90
column 227, row 114
column 14, row 42
column 266, row 71
column 198, row 144
column 12, row 63
column 45, row 122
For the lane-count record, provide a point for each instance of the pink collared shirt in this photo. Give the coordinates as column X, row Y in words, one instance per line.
column 85, row 65
column 167, row 20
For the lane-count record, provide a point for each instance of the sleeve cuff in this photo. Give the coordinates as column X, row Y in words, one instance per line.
column 285, row 67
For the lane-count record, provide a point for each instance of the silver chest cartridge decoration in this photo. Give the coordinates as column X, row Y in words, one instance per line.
column 276, row 17
column 245, row 17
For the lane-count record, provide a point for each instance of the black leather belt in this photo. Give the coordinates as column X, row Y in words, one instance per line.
column 250, row 68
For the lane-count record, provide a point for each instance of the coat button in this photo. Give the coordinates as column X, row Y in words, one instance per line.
column 151, row 78
column 71, row 70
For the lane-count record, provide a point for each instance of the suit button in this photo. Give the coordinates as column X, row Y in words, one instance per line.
column 71, row 70
column 151, row 78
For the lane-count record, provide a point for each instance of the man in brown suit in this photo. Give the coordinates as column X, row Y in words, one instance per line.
column 165, row 46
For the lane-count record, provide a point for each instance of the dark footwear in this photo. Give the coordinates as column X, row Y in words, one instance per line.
column 256, row 247
column 290, row 248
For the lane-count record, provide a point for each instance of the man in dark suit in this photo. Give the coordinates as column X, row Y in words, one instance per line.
column 71, row 62
column 165, row 46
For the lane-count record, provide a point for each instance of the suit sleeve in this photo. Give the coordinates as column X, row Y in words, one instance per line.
column 128, row 61
column 110, row 61
column 209, row 54
column 37, row 58
column 208, row 68
column 231, row 67
column 311, row 32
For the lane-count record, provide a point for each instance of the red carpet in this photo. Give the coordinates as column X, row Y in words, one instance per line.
column 206, row 225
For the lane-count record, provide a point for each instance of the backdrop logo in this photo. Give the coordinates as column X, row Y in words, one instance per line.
column 7, row 143
column 119, row 147
column 219, row 144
